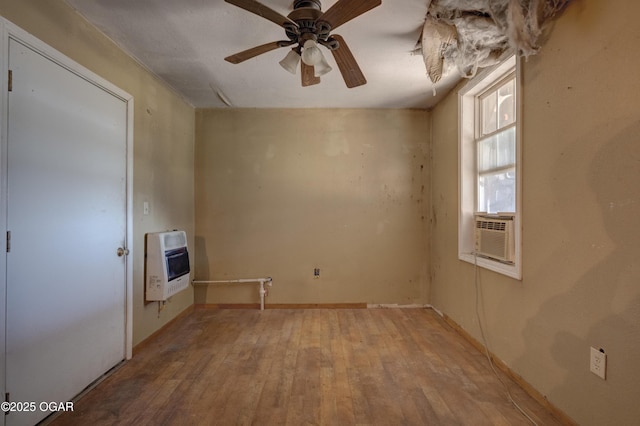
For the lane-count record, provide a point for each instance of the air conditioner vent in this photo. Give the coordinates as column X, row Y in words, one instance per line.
column 493, row 225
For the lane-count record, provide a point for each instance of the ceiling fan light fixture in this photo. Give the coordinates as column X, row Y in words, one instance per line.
column 311, row 54
column 291, row 61
column 321, row 68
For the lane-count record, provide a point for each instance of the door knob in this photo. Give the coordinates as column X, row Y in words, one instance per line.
column 122, row 251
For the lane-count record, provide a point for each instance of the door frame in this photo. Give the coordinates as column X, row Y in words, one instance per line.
column 10, row 31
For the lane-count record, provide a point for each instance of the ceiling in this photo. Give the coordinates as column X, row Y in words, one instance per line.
column 185, row 42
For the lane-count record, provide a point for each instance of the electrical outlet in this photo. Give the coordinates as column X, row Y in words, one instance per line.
column 316, row 273
column 599, row 363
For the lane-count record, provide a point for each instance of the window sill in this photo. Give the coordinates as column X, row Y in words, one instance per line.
column 509, row 270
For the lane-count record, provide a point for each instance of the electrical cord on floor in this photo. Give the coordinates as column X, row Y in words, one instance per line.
column 486, row 346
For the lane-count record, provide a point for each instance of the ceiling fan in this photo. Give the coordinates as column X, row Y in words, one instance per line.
column 306, row 27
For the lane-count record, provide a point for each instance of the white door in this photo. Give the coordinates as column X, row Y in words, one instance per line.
column 66, row 198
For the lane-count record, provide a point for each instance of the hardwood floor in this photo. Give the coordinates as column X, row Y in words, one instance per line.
column 305, row 367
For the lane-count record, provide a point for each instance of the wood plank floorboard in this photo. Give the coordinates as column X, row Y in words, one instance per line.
column 305, row 367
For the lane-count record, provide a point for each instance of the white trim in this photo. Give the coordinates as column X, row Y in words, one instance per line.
column 11, row 31
column 467, row 119
column 4, row 70
column 396, row 306
column 20, row 35
column 129, row 232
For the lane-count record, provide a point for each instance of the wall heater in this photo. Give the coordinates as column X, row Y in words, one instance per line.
column 168, row 268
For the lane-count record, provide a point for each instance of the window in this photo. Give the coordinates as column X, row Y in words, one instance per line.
column 496, row 149
column 489, row 154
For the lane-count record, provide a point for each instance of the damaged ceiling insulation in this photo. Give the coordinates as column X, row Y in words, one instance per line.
column 471, row 34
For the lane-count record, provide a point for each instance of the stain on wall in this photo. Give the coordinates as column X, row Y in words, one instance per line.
column 282, row 192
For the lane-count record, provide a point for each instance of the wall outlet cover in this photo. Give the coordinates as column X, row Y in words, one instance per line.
column 598, row 365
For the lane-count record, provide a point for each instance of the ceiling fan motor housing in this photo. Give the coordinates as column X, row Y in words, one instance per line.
column 315, row 4
column 305, row 14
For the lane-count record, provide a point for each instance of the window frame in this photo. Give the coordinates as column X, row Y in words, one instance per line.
column 468, row 131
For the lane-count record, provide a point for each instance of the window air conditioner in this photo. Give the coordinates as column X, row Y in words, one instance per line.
column 494, row 237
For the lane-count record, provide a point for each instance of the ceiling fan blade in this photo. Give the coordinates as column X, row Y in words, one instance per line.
column 308, row 75
column 349, row 68
column 262, row 10
column 254, row 51
column 345, row 10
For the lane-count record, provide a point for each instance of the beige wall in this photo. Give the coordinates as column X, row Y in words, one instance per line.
column 581, row 228
column 163, row 138
column 281, row 192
